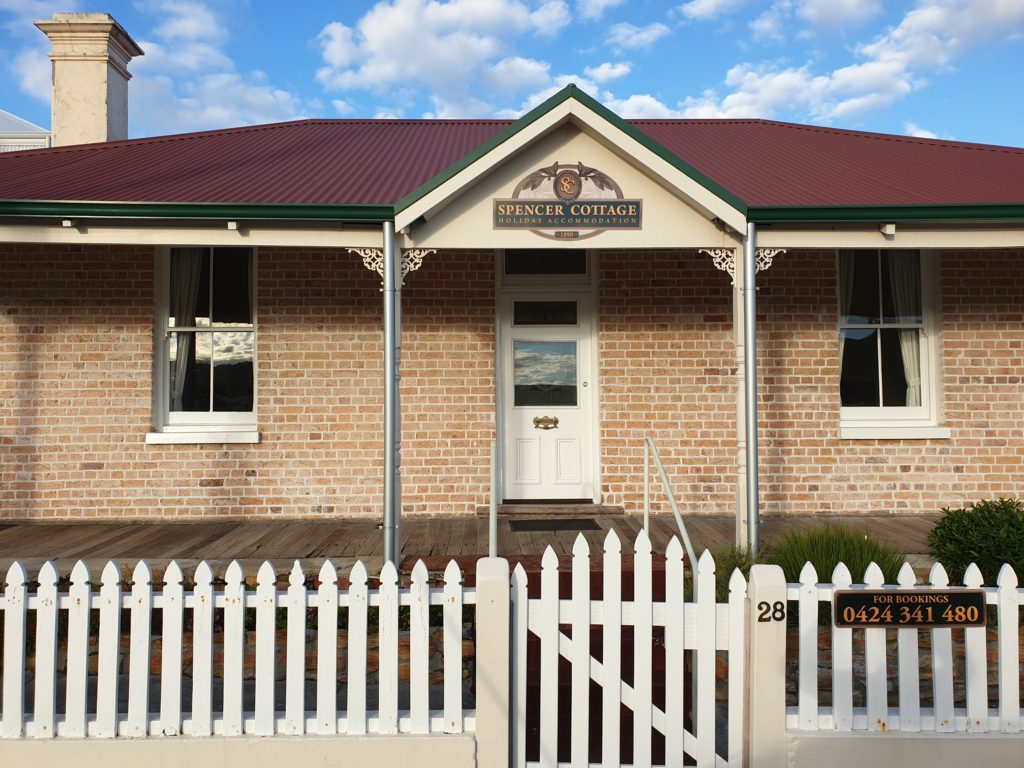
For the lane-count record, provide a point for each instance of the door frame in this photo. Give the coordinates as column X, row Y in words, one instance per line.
column 540, row 286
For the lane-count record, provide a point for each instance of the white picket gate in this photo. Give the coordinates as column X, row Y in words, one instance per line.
column 690, row 632
column 969, row 711
column 96, row 710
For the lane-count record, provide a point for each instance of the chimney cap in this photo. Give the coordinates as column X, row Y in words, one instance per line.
column 89, row 22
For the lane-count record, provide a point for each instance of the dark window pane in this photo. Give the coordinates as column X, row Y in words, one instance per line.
column 231, row 301
column 189, row 300
column 864, row 296
column 901, row 287
column 545, row 261
column 894, row 379
column 189, row 355
column 544, row 372
column 544, row 313
column 233, row 371
column 858, row 377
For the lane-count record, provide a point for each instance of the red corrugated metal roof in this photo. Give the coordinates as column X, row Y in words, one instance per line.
column 366, row 162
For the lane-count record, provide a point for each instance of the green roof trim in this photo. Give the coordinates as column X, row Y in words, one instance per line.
column 246, row 211
column 571, row 91
column 882, row 213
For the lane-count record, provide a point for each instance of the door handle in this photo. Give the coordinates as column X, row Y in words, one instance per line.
column 545, row 422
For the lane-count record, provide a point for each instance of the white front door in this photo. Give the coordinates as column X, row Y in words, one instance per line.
column 548, row 396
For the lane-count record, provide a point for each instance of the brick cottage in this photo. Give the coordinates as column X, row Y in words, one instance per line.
column 194, row 326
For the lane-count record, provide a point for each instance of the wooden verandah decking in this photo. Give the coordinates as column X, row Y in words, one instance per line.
column 345, row 541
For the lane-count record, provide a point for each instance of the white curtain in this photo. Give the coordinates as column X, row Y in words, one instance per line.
column 905, row 276
column 845, row 297
column 186, row 273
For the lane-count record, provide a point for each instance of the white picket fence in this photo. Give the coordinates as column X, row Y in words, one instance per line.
column 883, row 668
column 699, row 626
column 93, row 710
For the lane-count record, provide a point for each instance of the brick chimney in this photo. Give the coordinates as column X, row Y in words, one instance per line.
column 90, row 77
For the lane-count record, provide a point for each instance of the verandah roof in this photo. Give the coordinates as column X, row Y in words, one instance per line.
column 367, row 166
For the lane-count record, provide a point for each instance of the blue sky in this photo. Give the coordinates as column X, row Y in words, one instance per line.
column 945, row 68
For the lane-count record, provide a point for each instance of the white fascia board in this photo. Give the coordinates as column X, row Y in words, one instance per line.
column 601, row 131
column 88, row 231
column 966, row 236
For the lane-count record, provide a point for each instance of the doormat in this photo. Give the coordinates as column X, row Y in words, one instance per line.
column 554, row 524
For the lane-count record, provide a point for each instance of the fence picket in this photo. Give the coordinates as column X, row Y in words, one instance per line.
column 807, row 685
column 15, row 612
column 874, row 663
column 611, row 702
column 170, row 662
column 202, row 651
column 704, row 695
column 295, row 669
column 234, row 641
column 327, row 651
column 520, row 605
column 942, row 662
column 44, row 709
column 452, row 624
column 908, row 665
column 675, row 677
column 388, row 649
column 138, row 651
column 737, row 666
column 109, row 651
column 358, row 602
column 579, row 746
column 76, row 680
column 419, row 649
column 842, row 660
column 643, row 640
column 266, row 607
column 1009, row 650
column 547, row 630
column 975, row 656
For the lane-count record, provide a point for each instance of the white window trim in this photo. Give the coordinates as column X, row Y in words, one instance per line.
column 197, row 428
column 924, row 422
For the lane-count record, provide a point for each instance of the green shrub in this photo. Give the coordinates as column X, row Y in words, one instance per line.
column 988, row 533
column 726, row 561
column 826, row 547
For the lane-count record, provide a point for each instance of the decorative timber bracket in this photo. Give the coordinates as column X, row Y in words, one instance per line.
column 725, row 259
column 412, row 259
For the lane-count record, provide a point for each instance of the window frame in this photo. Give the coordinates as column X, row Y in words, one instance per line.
column 195, row 426
column 910, row 422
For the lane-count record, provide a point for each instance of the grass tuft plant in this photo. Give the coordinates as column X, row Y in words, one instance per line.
column 825, row 547
column 987, row 533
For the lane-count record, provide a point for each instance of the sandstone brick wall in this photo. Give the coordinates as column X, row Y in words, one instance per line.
column 75, row 370
column 808, row 469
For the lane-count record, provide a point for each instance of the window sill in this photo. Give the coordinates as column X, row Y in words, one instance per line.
column 203, row 437
column 895, row 432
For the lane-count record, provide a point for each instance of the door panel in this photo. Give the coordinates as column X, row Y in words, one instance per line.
column 548, row 396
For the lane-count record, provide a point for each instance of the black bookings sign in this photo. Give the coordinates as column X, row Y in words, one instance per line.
column 909, row 608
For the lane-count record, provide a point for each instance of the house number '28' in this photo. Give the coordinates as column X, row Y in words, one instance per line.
column 771, row 611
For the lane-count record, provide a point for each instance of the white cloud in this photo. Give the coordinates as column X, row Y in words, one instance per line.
column 460, row 51
column 342, row 107
column 516, row 74
column 594, row 9
column 770, row 25
column 837, row 13
column 33, row 70
column 641, row 106
column 928, row 38
column 626, row 35
column 702, row 10
column 608, row 71
column 913, row 129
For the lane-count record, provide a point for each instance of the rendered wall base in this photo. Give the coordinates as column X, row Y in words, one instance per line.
column 249, row 752
column 926, row 750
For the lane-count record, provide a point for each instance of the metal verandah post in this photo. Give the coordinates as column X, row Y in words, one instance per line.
column 390, row 396
column 750, row 385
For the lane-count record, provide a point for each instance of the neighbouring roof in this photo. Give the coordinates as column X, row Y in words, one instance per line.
column 13, row 124
column 766, row 165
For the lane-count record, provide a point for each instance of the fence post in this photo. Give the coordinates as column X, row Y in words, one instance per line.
column 493, row 662
column 767, row 695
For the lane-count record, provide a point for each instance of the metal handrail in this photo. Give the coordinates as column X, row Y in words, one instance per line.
column 651, row 449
